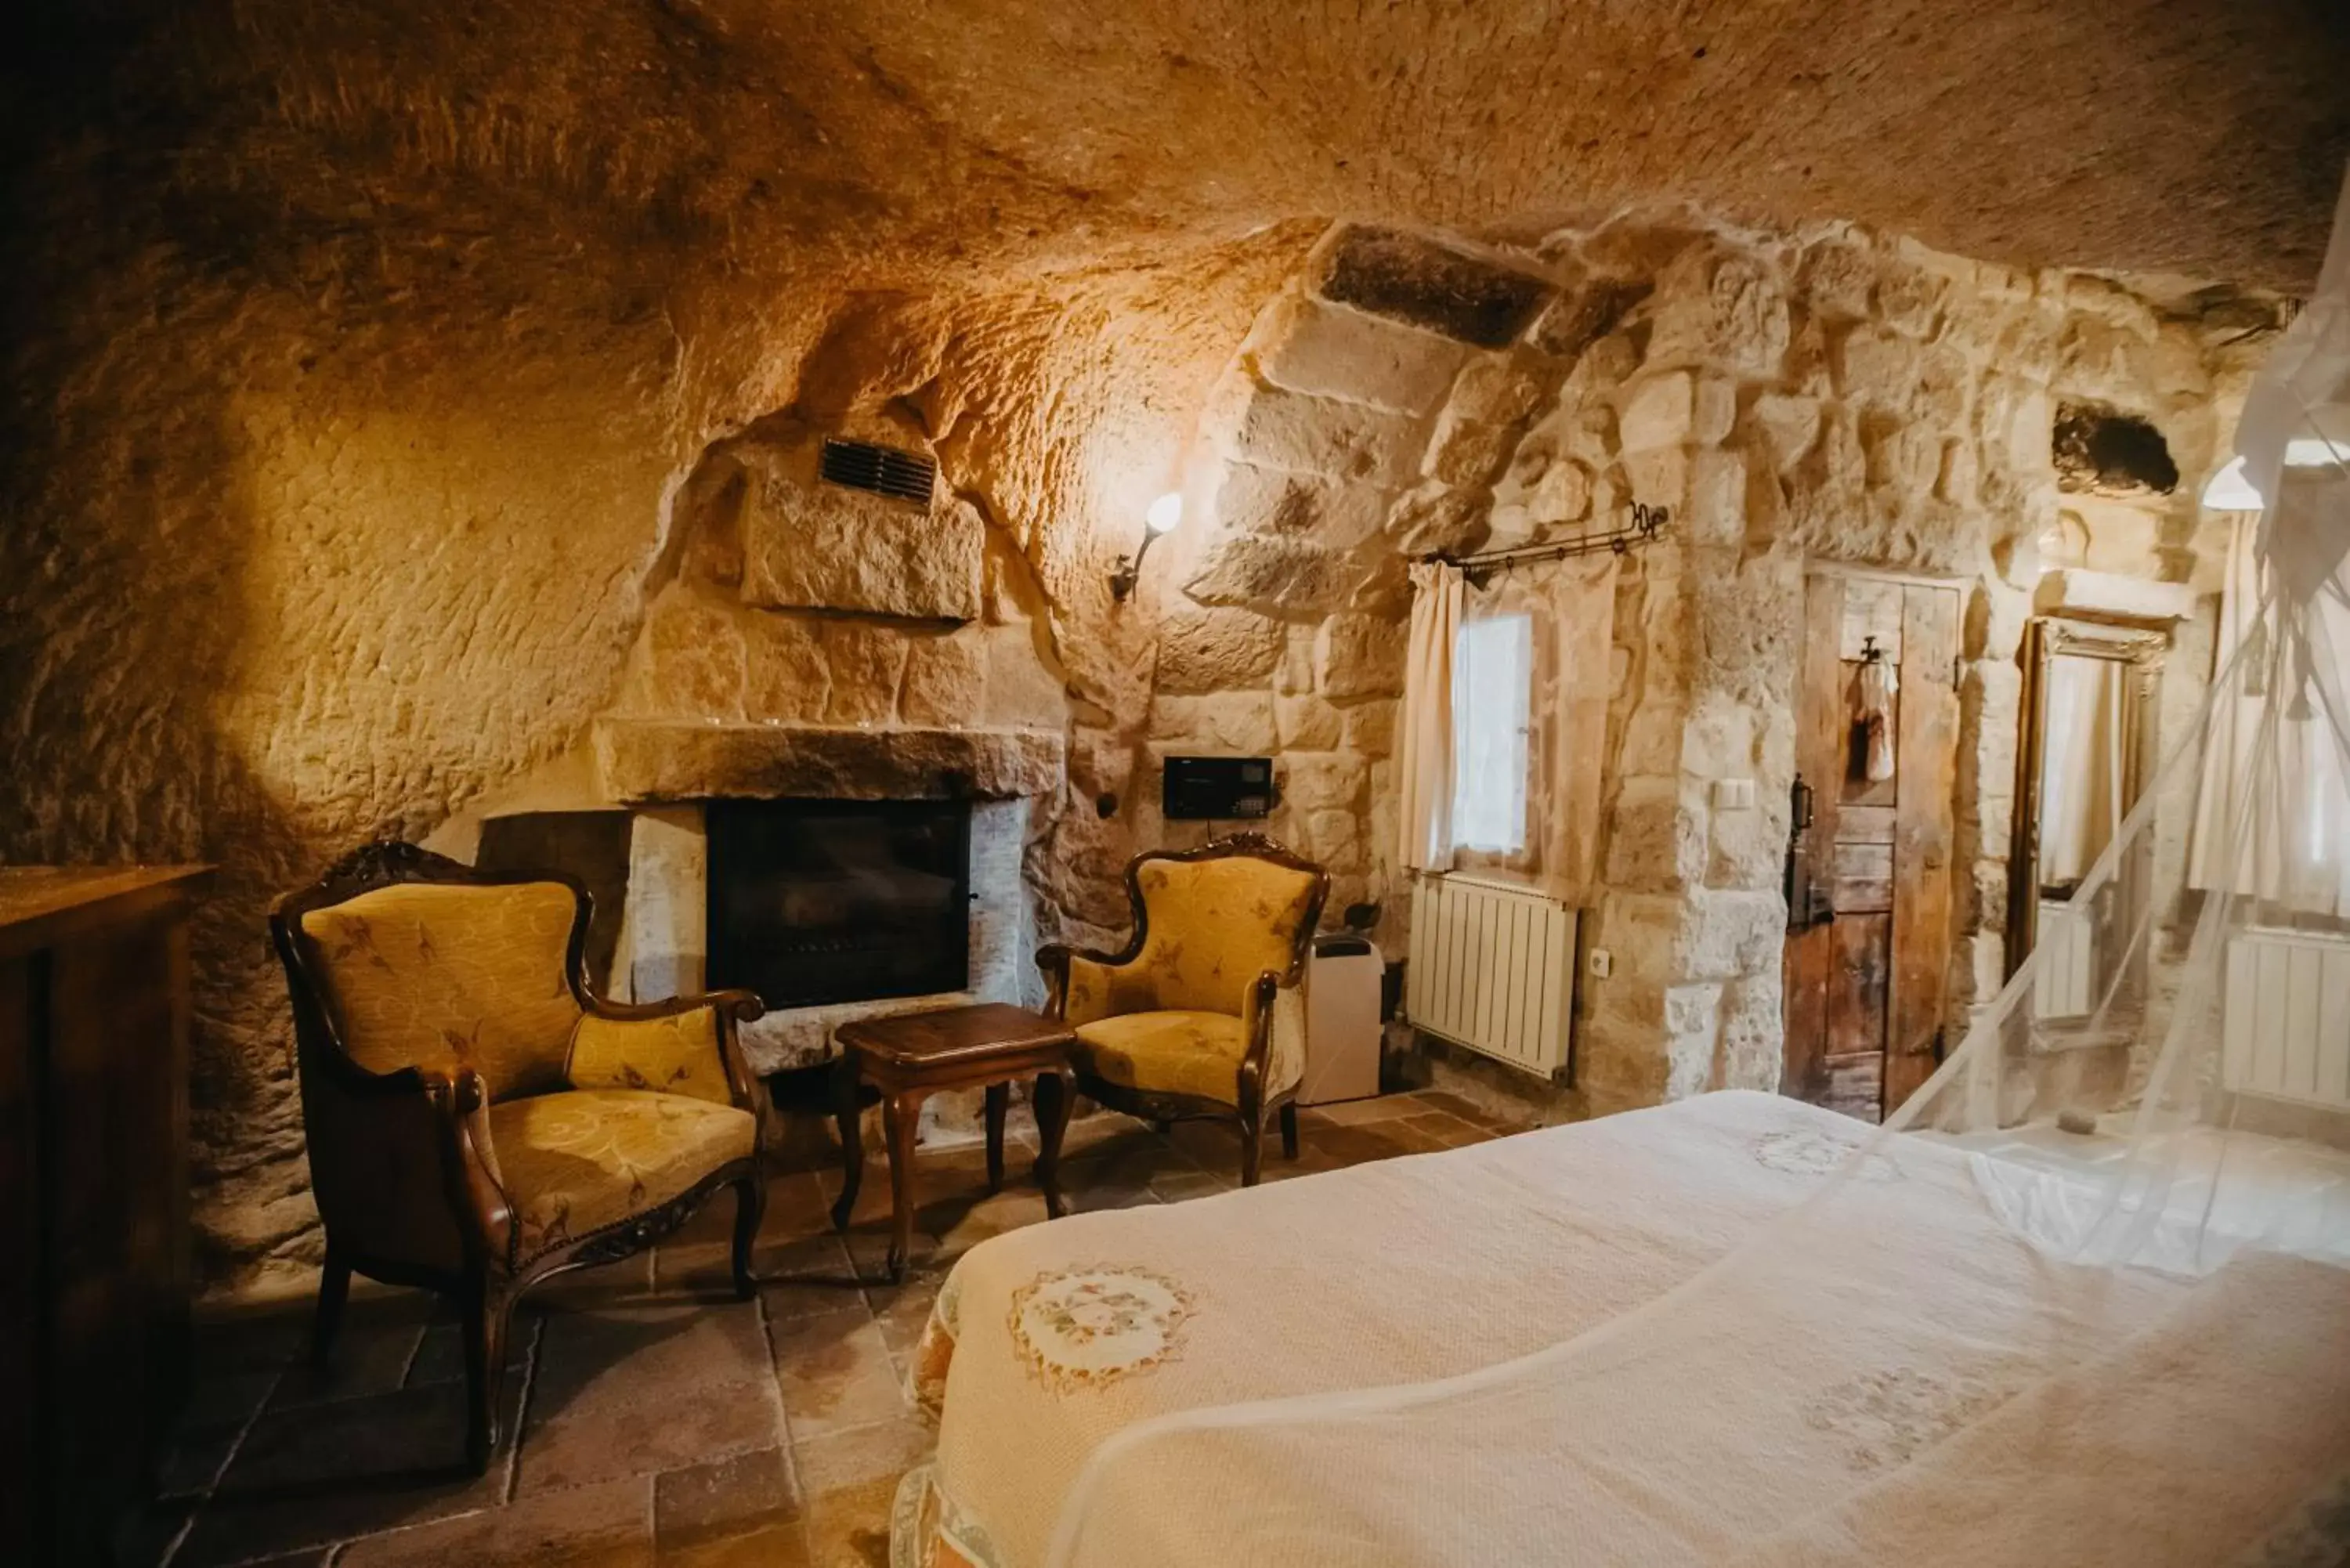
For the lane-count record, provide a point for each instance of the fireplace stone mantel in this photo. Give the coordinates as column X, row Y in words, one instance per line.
column 655, row 760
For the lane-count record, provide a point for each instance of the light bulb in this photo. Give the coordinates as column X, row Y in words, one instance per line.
column 1165, row 512
column 2230, row 491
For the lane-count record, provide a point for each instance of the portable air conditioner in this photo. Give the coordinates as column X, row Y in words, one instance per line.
column 1342, row 1019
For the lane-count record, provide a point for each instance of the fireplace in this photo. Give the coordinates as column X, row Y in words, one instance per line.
column 817, row 901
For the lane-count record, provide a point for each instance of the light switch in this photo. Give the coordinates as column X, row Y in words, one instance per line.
column 1733, row 795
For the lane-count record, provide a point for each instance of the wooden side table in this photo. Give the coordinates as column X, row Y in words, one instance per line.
column 911, row 1058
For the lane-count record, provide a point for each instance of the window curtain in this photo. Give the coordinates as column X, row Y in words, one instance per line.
column 2272, row 821
column 1425, row 760
column 2082, row 764
column 1571, row 605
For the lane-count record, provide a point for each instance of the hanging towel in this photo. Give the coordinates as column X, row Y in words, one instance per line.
column 1878, row 685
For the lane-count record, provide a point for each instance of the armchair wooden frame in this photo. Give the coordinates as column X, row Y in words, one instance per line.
column 456, row 1235
column 1166, row 1105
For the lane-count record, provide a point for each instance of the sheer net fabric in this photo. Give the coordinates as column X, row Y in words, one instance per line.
column 2083, row 1299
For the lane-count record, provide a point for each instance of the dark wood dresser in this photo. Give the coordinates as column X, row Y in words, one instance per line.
column 94, row 1006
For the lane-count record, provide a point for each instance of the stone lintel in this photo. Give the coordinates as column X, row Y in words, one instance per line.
column 660, row 759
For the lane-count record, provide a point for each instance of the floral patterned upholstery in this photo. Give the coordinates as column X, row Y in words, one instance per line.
column 574, row 1163
column 431, row 975
column 1211, row 927
column 677, row 1055
column 1182, row 1053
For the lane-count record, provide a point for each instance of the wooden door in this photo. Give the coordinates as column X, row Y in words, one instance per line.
column 1864, row 985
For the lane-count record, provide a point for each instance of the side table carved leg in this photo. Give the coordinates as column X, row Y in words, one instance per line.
column 904, row 1113
column 852, row 1136
column 999, row 1097
column 1053, row 1093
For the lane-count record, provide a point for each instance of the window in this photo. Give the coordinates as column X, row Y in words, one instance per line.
column 1493, row 671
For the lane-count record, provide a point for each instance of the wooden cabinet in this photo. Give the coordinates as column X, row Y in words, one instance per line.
column 1866, row 973
column 94, row 1007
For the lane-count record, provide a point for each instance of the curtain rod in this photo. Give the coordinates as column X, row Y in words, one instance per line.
column 1648, row 522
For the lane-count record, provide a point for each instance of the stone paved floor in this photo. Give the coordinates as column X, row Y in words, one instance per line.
column 660, row 1419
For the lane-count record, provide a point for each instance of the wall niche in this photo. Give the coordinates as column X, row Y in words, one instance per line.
column 2101, row 451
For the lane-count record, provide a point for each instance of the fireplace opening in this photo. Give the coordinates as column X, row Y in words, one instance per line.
column 814, row 901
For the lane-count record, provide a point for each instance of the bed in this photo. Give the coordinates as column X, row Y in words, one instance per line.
column 1757, row 1417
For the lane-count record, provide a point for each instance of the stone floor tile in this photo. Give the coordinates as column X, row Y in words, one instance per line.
column 440, row 1355
column 835, row 1372
column 1090, row 1186
column 644, row 1389
column 776, row 1546
column 902, row 1310
column 1176, row 1186
column 1208, row 1144
column 219, row 1406
column 947, row 1226
column 636, row 1426
column 1449, row 1130
column 811, row 1275
column 850, row 1480
column 315, row 1474
column 1362, row 1142
column 265, row 1339
column 146, row 1539
column 1100, row 1132
column 368, row 1358
column 852, row 1456
column 670, row 1345
column 747, row 1494
column 850, row 1528
column 1352, row 1113
column 604, row 1526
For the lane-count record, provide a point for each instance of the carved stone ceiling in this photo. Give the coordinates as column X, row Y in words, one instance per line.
column 2200, row 137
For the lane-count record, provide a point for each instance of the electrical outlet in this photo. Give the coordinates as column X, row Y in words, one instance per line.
column 1602, row 963
column 1733, row 795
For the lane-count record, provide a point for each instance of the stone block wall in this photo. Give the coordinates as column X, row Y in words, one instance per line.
column 1793, row 399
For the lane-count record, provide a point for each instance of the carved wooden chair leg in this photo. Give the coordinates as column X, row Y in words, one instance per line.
column 1251, row 1148
column 334, row 1290
column 750, row 1207
column 1289, row 1130
column 485, row 1308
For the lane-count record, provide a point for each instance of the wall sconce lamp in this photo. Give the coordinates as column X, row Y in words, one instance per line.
column 1164, row 514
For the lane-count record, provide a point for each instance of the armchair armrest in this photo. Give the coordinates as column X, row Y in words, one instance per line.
column 684, row 1046
column 1273, row 1020
column 1081, row 986
column 403, row 1166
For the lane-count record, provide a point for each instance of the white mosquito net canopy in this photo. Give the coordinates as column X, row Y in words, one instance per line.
column 2084, row 1298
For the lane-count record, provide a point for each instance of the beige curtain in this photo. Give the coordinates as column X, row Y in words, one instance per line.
column 2081, row 765
column 1426, row 750
column 1583, row 597
column 1571, row 606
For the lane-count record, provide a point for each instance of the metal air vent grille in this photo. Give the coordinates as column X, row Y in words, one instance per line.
column 884, row 470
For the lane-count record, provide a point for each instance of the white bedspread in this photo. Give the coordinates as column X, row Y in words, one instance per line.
column 1767, row 1413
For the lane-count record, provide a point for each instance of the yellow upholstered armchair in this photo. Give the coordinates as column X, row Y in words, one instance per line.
column 477, row 1119
column 1203, row 1014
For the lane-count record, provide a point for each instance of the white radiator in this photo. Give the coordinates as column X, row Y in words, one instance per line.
column 1491, row 968
column 2287, row 1009
column 2064, row 985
